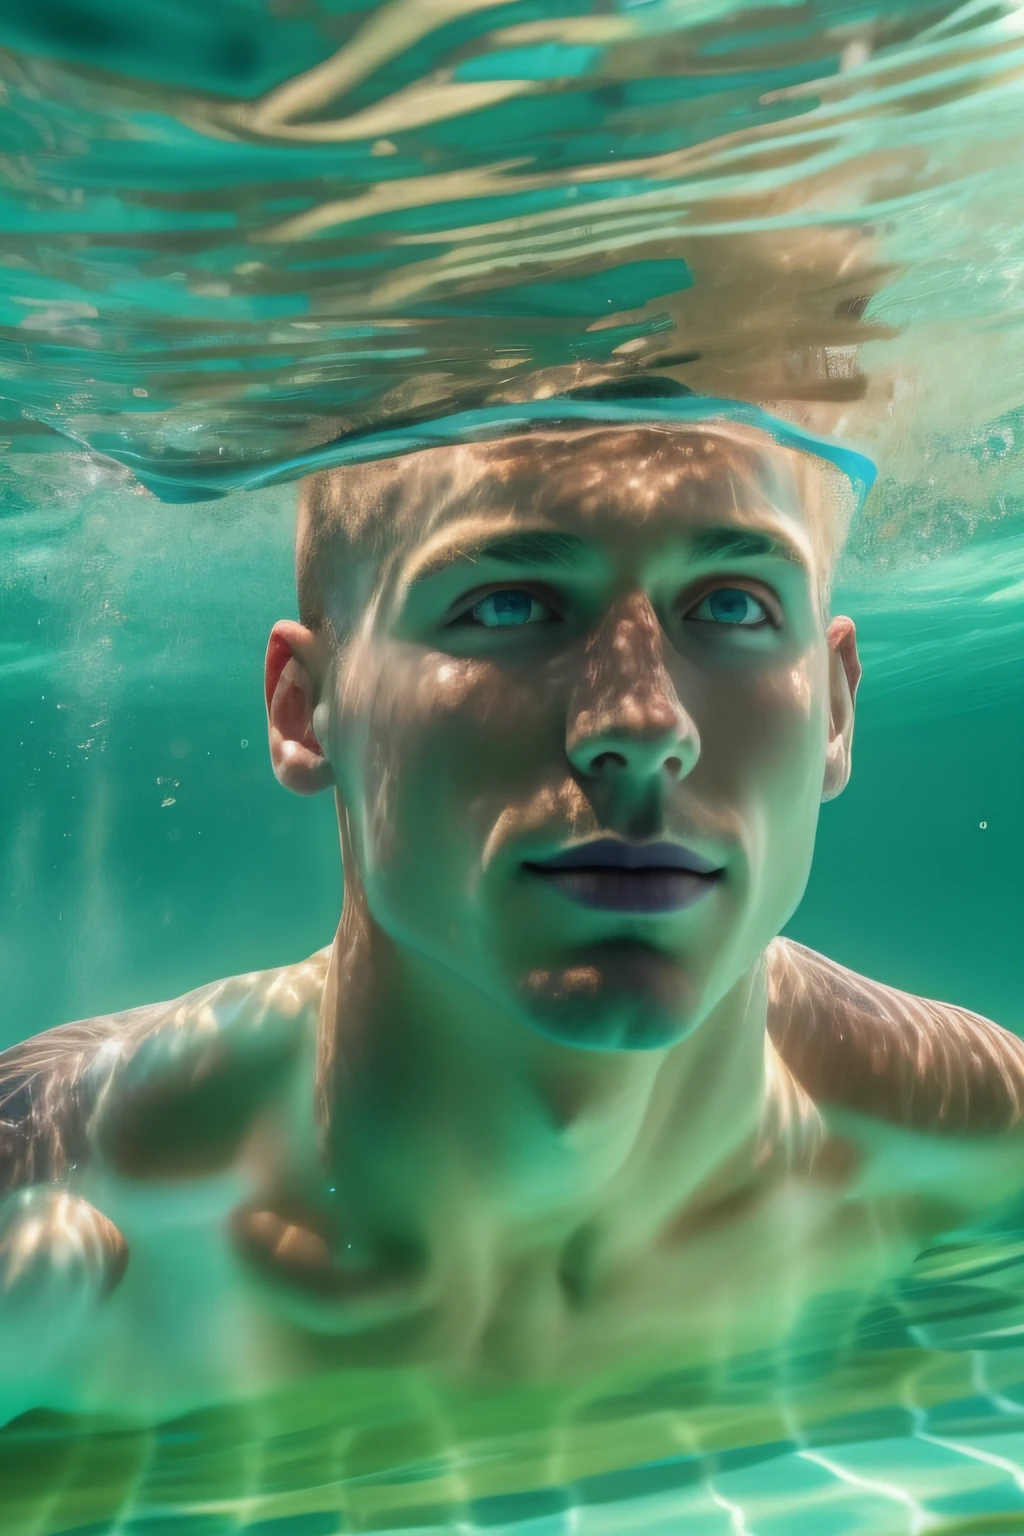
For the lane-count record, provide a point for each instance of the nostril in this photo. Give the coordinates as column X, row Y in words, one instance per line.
column 606, row 762
column 674, row 766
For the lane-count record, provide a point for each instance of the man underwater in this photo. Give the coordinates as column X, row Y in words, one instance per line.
column 557, row 1103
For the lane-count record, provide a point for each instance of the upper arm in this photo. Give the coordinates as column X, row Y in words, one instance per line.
column 858, row 1045
column 59, row 1256
column 165, row 1090
column 44, row 1105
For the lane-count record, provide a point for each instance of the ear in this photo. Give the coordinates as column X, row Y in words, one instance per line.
column 294, row 667
column 844, row 674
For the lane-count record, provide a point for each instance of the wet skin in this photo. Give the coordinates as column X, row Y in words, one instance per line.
column 556, row 1080
column 631, row 703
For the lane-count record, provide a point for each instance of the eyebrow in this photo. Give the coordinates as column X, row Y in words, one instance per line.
column 543, row 547
column 742, row 544
column 549, row 548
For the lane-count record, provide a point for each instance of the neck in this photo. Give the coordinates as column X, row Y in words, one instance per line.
column 433, row 1100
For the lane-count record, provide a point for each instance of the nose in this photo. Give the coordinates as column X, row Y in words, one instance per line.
column 625, row 718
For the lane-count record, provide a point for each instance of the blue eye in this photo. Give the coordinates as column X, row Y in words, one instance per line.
column 505, row 608
column 730, row 605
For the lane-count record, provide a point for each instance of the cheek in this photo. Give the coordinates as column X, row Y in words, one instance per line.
column 789, row 721
column 763, row 759
column 434, row 748
column 765, row 726
column 788, row 759
column 764, row 764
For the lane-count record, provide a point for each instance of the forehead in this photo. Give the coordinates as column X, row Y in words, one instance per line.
column 612, row 485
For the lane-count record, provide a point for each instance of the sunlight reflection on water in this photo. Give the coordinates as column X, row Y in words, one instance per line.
column 235, row 231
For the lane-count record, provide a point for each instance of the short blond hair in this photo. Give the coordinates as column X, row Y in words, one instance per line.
column 353, row 519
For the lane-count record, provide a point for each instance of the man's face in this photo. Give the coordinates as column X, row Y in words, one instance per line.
column 615, row 639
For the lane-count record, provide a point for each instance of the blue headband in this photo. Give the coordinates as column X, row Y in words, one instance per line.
column 488, row 424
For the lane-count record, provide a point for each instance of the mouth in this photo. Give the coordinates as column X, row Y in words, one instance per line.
column 615, row 876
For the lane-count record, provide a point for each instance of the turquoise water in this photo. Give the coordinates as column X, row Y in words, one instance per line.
column 146, row 841
column 219, row 252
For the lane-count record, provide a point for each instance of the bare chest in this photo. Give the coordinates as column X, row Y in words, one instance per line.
column 751, row 1282
column 200, row 1319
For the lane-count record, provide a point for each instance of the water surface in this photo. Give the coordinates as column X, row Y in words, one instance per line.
column 233, row 232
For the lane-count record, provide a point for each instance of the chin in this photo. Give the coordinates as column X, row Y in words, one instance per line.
column 619, row 998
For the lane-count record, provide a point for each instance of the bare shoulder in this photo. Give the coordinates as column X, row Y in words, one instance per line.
column 166, row 1089
column 856, row 1044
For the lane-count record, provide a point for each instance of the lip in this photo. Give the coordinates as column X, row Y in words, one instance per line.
column 615, row 876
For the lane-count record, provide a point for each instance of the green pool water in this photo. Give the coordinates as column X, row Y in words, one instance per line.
column 218, row 252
